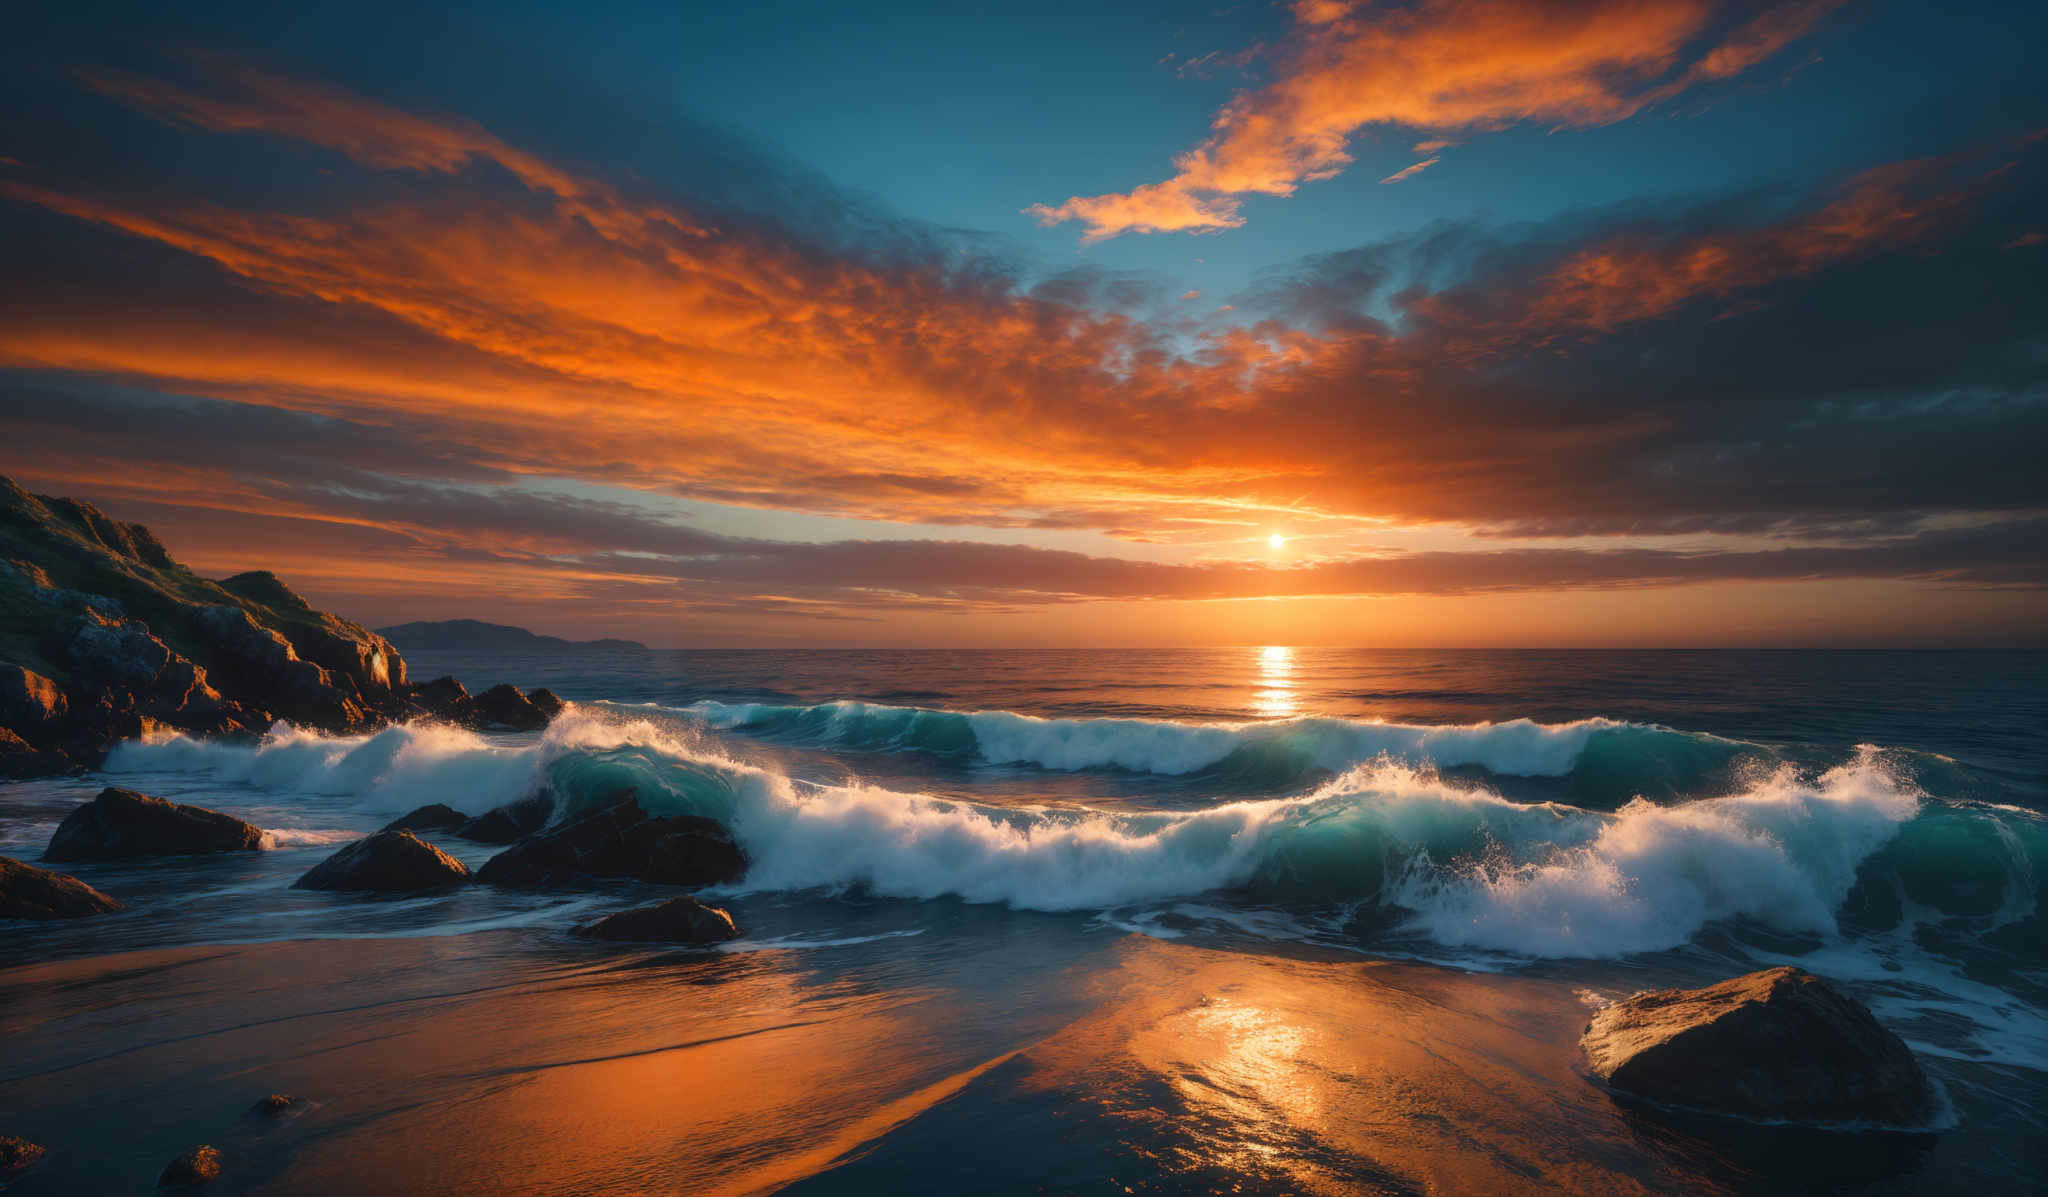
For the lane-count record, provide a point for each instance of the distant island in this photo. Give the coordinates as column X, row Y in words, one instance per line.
column 463, row 635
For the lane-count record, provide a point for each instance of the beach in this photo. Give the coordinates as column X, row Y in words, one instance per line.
column 1102, row 941
column 491, row 1063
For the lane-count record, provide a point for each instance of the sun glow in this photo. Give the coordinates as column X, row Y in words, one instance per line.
column 1276, row 541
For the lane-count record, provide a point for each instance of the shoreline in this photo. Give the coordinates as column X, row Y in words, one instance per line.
column 511, row 1062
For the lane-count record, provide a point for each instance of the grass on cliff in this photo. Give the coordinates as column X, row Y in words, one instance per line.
column 71, row 545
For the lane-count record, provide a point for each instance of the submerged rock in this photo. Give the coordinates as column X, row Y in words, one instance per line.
column 512, row 821
column 27, row 892
column 121, row 824
column 387, row 862
column 1777, row 1044
column 432, row 817
column 18, row 1155
column 274, row 1104
column 678, row 920
column 619, row 839
column 195, row 1167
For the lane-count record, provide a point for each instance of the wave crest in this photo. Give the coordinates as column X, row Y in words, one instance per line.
column 1455, row 862
column 1275, row 752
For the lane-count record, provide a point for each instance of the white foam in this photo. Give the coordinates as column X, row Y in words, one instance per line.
column 1551, row 880
column 1784, row 853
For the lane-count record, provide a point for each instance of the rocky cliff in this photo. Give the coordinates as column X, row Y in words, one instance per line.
column 103, row 636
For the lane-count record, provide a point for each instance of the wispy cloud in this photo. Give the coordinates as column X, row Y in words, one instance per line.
column 1409, row 172
column 1441, row 67
column 531, row 322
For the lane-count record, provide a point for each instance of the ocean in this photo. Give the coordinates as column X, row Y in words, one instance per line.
column 1160, row 920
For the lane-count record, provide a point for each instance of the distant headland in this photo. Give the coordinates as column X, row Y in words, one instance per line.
column 462, row 635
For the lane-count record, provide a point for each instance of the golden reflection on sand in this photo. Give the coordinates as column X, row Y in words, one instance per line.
column 483, row 1065
column 1347, row 1077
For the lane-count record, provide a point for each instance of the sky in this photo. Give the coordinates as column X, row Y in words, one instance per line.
column 1656, row 323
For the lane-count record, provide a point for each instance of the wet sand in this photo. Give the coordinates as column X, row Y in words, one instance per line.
column 505, row 1062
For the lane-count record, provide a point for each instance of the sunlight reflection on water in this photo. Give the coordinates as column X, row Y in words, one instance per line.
column 1275, row 698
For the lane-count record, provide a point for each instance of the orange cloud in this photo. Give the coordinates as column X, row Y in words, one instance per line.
column 559, row 327
column 1444, row 66
column 1630, row 278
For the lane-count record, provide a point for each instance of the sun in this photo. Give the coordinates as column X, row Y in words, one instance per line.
column 1276, row 541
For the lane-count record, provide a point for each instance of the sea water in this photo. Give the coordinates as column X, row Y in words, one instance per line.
column 1604, row 820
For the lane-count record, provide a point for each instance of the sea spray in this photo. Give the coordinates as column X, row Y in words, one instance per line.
column 1444, row 857
column 1785, row 853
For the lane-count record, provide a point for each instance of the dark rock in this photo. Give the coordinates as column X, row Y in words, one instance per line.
column 432, row 817
column 195, row 1167
column 27, row 892
column 678, row 920
column 619, row 839
column 354, row 657
column 387, row 862
column 547, row 702
column 509, row 822
column 120, row 824
column 109, row 655
column 1777, row 1044
column 18, row 1155
column 271, row 670
column 439, row 694
column 504, row 706
column 274, row 1104
column 20, row 760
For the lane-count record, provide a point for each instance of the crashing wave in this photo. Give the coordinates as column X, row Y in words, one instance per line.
column 1460, row 864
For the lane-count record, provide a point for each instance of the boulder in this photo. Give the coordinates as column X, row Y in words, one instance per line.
column 439, row 694
column 547, row 702
column 121, row 824
column 27, row 892
column 678, row 920
column 510, row 822
column 195, row 1167
column 387, row 862
column 18, row 1155
column 274, row 1104
column 504, row 706
column 1780, row 1044
column 619, row 839
column 432, row 817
